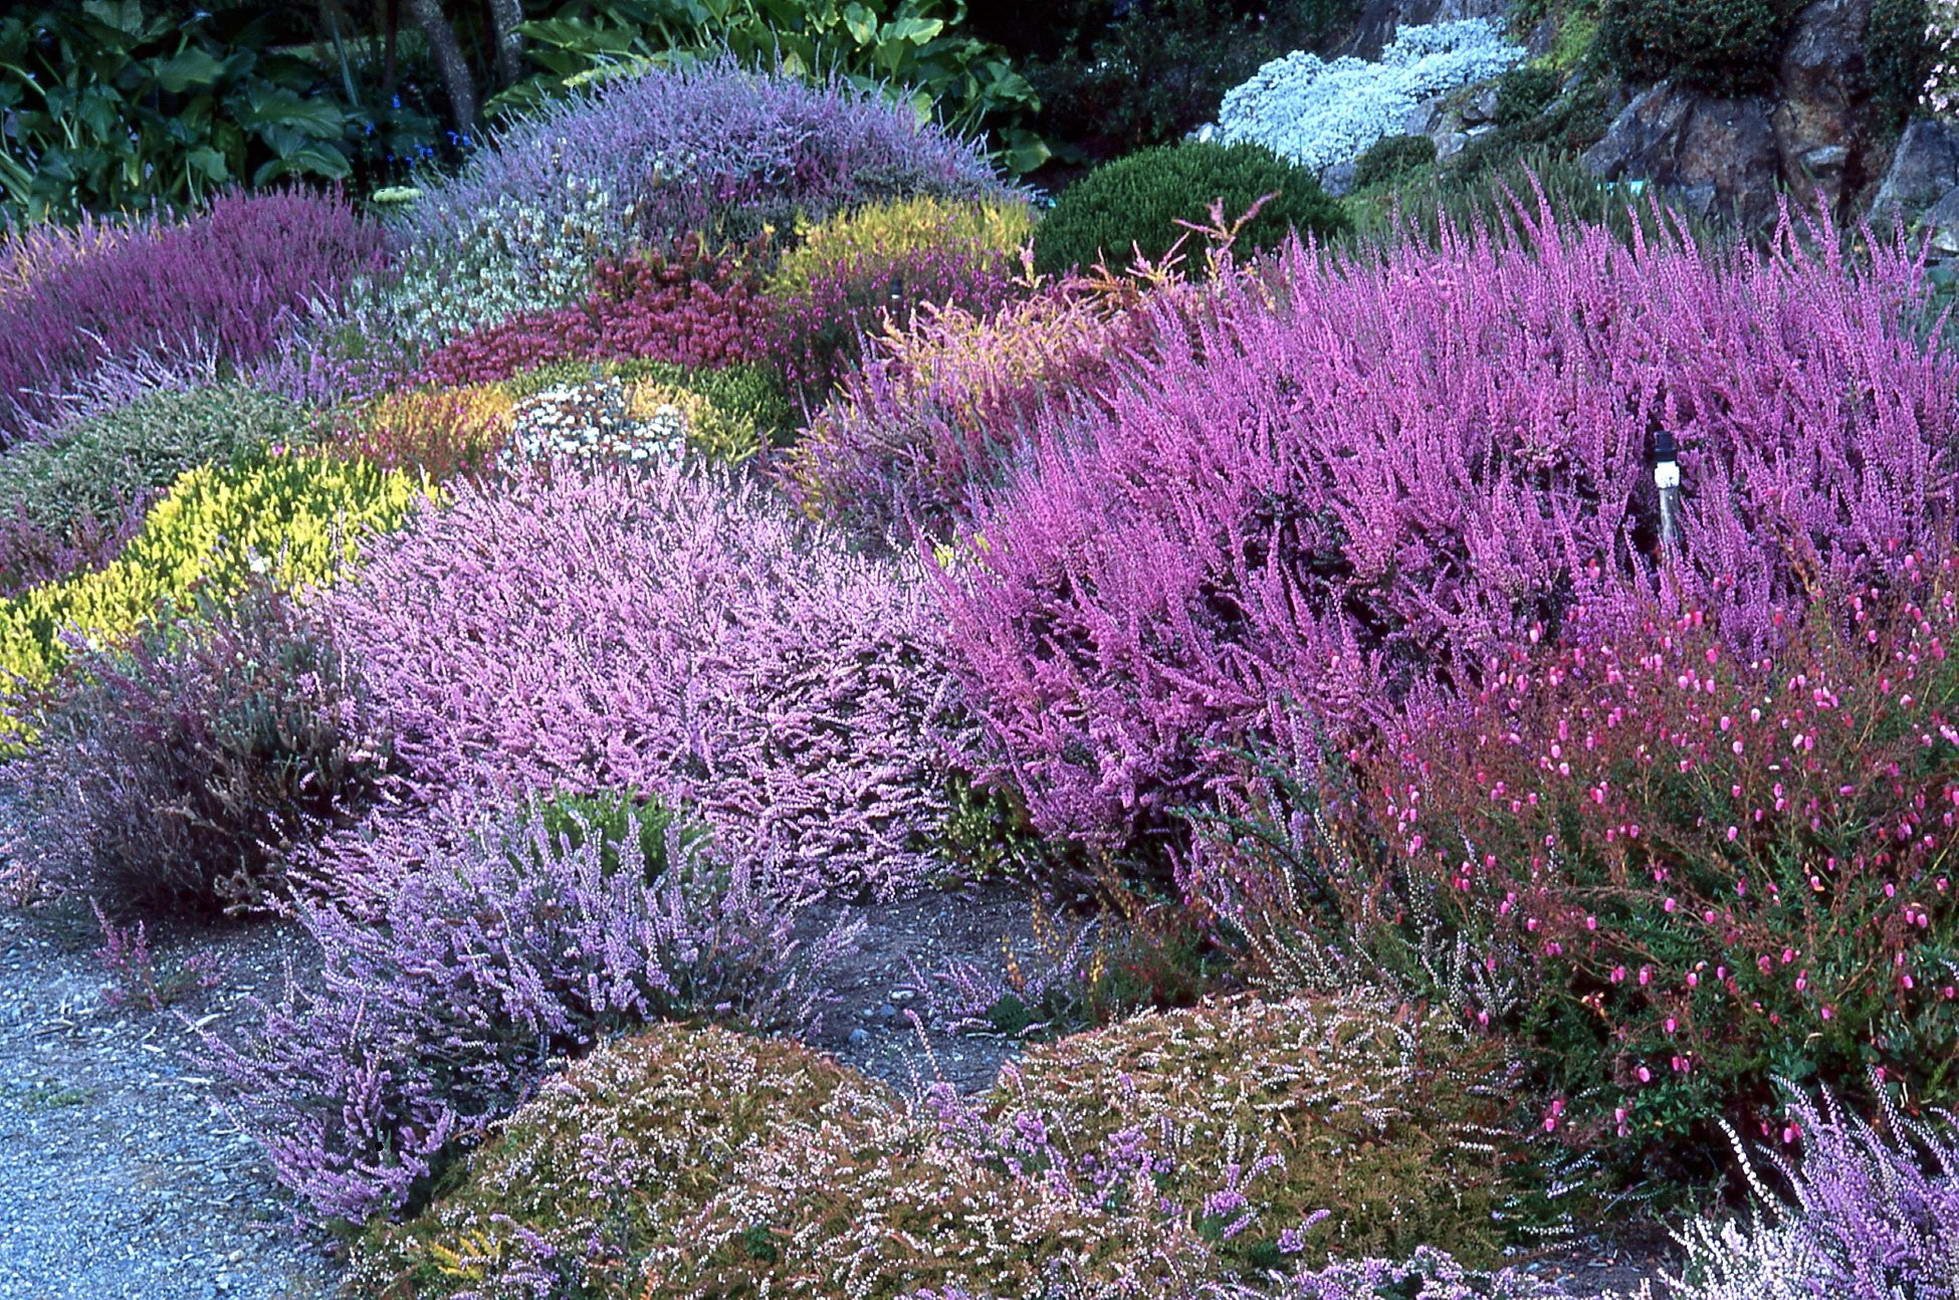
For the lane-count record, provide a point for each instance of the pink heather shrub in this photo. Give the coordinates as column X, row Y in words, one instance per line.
column 1349, row 475
column 1685, row 861
column 645, row 630
column 818, row 331
column 462, row 953
column 1867, row 1215
column 692, row 307
column 942, row 406
column 226, row 282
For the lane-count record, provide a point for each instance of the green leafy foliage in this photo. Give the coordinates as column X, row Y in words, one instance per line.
column 117, row 104
column 613, row 820
column 1897, row 59
column 1134, row 204
column 1524, row 93
column 1726, row 47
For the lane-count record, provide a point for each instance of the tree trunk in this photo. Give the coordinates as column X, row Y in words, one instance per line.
column 505, row 15
column 449, row 61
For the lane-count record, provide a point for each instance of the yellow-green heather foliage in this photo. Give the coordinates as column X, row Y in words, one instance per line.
column 700, row 423
column 296, row 519
column 1156, row 1157
column 891, row 229
column 1384, row 1116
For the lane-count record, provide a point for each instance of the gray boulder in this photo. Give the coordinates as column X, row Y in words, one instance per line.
column 1715, row 157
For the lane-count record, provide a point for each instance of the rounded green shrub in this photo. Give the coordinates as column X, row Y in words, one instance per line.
column 1133, row 205
column 698, row 1164
column 102, row 464
column 1392, row 158
column 1725, row 47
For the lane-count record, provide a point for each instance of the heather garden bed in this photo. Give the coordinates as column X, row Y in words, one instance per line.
column 725, row 702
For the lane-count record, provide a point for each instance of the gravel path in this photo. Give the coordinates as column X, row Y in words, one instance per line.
column 119, row 1179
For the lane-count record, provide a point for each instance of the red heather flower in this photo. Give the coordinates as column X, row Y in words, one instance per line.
column 692, row 307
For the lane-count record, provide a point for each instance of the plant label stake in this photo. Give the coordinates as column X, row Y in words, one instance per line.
column 1666, row 477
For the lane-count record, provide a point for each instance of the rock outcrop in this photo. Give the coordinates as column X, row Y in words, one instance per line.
column 1922, row 186
column 1733, row 157
column 1717, row 158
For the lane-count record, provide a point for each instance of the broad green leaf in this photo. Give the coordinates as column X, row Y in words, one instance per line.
column 208, row 163
column 187, row 68
column 916, row 30
column 861, row 22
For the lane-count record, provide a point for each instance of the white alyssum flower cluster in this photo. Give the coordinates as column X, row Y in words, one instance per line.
column 591, row 422
column 1320, row 114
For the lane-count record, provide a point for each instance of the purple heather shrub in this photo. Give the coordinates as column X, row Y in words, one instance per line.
column 465, row 950
column 32, row 552
column 177, row 771
column 940, row 408
column 819, row 330
column 1867, row 1216
column 333, row 356
column 601, row 628
column 30, row 255
column 223, row 285
column 1427, row 1274
column 1350, row 475
column 704, row 148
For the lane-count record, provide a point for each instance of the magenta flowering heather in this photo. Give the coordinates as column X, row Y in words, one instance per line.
column 224, row 285
column 818, row 334
column 941, row 408
column 1347, row 476
column 620, row 629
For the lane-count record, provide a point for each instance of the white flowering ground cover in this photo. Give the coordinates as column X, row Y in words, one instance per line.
column 1320, row 113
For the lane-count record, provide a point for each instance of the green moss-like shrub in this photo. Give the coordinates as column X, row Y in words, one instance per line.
column 697, row 1163
column 1725, row 47
column 612, row 1158
column 1392, row 158
column 1134, row 204
column 1382, row 1115
column 1524, row 93
column 1897, row 59
column 104, row 466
